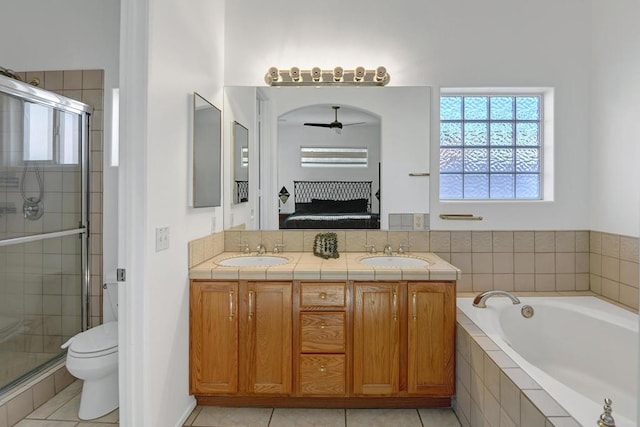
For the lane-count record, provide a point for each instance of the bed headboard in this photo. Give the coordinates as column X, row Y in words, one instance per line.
column 304, row 191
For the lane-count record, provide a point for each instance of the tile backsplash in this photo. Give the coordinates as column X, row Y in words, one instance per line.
column 533, row 261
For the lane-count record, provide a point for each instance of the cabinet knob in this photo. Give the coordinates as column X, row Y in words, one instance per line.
column 323, row 325
column 323, row 295
column 323, row 368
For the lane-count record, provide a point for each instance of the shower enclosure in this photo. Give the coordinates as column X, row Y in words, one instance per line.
column 44, row 245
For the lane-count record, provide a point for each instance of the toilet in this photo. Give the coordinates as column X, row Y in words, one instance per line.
column 92, row 356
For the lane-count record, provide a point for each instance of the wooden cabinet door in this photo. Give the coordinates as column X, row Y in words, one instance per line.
column 213, row 342
column 266, row 325
column 376, row 338
column 431, row 336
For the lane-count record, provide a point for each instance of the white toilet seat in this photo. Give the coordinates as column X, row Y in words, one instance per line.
column 99, row 341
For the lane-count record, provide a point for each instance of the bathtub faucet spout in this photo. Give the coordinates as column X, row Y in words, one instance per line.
column 480, row 300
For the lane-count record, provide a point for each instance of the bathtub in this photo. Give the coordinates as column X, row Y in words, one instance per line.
column 579, row 349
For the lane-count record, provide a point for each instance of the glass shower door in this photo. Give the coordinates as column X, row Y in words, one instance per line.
column 43, row 230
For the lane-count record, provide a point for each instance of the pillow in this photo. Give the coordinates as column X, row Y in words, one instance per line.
column 339, row 206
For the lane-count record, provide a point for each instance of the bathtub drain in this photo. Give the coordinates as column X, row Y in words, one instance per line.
column 527, row 311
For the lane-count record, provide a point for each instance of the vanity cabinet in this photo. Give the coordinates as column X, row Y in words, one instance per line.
column 213, row 337
column 404, row 338
column 431, row 323
column 376, row 338
column 322, row 339
column 240, row 338
column 322, row 343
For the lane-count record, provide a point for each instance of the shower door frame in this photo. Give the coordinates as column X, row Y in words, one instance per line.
column 27, row 92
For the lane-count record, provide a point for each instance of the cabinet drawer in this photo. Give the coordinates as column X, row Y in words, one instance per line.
column 322, row 294
column 322, row 332
column 322, row 374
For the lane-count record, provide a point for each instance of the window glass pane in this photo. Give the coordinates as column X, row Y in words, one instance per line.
column 527, row 133
column 333, row 157
column 38, row 132
column 475, row 108
column 501, row 108
column 501, row 133
column 451, row 160
column 486, row 143
column 450, row 186
column 528, row 186
column 527, row 108
column 527, row 160
column 476, row 186
column 502, row 160
column 476, row 160
column 451, row 108
column 502, row 186
column 450, row 134
column 475, row 133
column 69, row 138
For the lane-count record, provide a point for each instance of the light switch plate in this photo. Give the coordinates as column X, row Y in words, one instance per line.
column 418, row 221
column 162, row 238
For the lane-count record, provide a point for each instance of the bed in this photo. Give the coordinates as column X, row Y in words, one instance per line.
column 332, row 204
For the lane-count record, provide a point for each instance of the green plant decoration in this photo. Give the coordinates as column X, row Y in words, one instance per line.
column 325, row 245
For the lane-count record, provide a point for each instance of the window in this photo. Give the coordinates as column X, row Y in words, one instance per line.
column 491, row 146
column 38, row 132
column 333, row 157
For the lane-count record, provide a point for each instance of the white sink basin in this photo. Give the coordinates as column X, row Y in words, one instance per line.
column 253, row 261
column 393, row 261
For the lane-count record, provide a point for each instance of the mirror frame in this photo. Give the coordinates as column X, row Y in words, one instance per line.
column 207, row 153
column 240, row 140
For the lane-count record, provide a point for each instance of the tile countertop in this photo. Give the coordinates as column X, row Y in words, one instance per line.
column 306, row 266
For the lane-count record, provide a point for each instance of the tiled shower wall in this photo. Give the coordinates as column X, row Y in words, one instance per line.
column 86, row 86
column 523, row 261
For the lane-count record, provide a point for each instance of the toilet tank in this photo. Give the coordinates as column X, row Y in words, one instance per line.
column 109, row 302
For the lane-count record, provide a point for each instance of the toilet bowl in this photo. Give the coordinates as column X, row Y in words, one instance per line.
column 92, row 356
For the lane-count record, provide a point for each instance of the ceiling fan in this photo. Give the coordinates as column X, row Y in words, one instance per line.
column 337, row 125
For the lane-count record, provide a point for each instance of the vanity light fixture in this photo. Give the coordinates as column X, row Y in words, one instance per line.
column 316, row 76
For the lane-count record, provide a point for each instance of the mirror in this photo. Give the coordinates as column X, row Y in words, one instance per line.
column 404, row 115
column 207, row 146
column 240, row 163
column 329, row 163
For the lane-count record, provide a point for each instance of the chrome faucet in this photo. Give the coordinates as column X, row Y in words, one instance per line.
column 606, row 419
column 277, row 247
column 371, row 248
column 480, row 300
column 261, row 249
column 387, row 250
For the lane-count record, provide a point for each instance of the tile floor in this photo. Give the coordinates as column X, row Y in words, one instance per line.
column 62, row 411
column 213, row 416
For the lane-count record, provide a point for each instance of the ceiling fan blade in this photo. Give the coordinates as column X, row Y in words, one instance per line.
column 321, row 125
column 351, row 124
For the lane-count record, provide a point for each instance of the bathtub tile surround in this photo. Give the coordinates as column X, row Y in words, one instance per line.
column 492, row 390
column 613, row 267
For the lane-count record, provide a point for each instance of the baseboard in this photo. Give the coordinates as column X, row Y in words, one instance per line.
column 188, row 410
